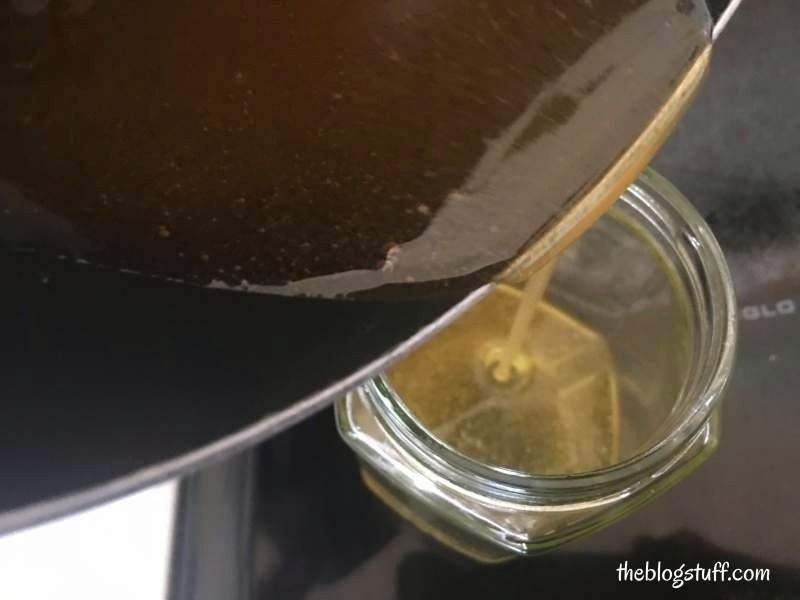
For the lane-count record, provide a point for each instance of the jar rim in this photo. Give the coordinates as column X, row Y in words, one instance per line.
column 715, row 365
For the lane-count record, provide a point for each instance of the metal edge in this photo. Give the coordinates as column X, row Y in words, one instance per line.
column 724, row 18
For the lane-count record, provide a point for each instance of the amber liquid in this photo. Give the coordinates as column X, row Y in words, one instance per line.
column 517, row 383
column 511, row 359
column 323, row 148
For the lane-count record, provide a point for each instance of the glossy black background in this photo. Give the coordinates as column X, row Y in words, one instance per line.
column 294, row 521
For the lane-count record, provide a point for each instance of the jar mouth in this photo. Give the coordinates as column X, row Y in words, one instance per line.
column 669, row 217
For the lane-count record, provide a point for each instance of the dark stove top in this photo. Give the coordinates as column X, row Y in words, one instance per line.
column 292, row 519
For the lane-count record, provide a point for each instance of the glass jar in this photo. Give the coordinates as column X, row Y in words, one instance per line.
column 651, row 279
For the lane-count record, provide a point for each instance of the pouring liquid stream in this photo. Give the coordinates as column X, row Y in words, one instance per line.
column 510, row 357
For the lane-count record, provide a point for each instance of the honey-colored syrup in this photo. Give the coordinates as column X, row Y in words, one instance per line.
column 540, row 399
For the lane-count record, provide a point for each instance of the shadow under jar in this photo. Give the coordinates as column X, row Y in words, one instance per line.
column 630, row 353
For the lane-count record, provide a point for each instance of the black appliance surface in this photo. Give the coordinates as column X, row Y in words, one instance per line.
column 304, row 526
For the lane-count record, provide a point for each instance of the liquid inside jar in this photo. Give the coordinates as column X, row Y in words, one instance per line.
column 542, row 399
column 579, row 368
column 605, row 369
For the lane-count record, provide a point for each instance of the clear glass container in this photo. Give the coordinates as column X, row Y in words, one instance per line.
column 650, row 280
